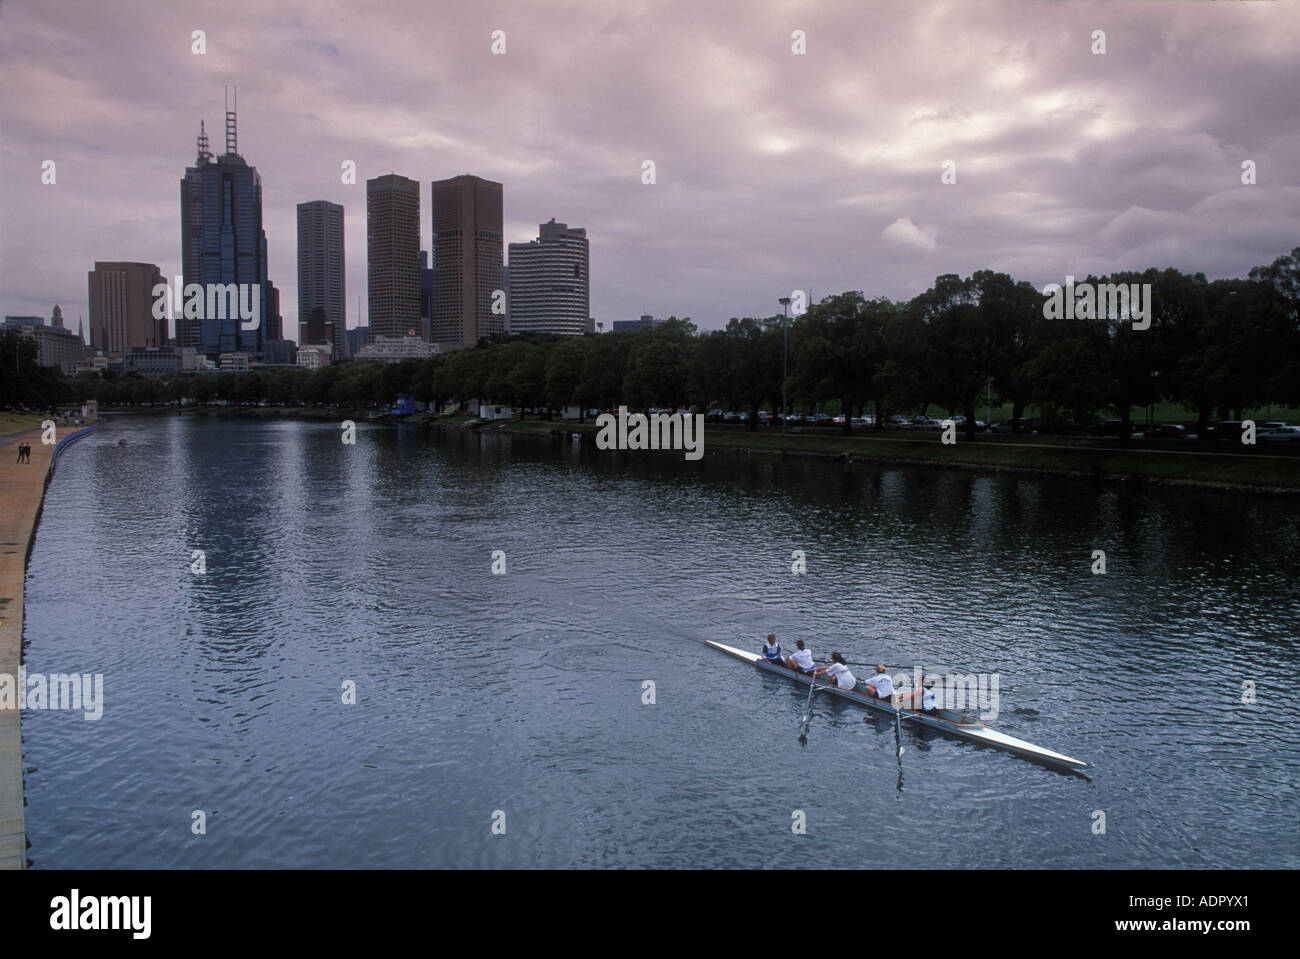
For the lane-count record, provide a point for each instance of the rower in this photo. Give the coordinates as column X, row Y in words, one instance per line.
column 880, row 685
column 926, row 696
column 801, row 660
column 928, row 702
column 838, row 671
column 772, row 650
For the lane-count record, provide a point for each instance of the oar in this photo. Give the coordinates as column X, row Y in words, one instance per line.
column 807, row 709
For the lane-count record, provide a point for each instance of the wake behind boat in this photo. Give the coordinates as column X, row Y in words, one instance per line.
column 955, row 724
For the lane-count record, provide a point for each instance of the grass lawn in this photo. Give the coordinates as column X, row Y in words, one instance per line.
column 11, row 423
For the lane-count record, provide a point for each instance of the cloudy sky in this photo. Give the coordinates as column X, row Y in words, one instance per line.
column 774, row 170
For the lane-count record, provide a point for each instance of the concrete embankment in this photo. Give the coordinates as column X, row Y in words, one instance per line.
column 22, row 491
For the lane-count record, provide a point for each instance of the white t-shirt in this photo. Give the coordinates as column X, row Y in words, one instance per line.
column 927, row 699
column 802, row 658
column 882, row 684
column 771, row 651
column 843, row 678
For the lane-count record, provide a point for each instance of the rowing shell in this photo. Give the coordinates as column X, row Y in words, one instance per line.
column 967, row 727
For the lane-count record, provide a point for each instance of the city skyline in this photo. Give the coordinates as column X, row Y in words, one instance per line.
column 774, row 170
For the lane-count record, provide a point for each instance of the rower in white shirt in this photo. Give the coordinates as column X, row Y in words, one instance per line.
column 924, row 695
column 801, row 659
column 772, row 650
column 880, row 685
column 838, row 671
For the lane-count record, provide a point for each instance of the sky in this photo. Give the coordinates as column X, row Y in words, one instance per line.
column 774, row 170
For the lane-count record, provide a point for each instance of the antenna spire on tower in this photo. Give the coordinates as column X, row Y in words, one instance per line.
column 232, row 141
column 205, row 154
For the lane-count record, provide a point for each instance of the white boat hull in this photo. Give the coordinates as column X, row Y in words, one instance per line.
column 974, row 730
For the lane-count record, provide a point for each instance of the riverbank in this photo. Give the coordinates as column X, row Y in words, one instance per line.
column 1188, row 464
column 22, row 492
column 1192, row 466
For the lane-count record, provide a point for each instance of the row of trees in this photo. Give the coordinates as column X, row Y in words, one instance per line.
column 1222, row 346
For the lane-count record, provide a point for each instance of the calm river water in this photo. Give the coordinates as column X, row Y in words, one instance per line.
column 518, row 698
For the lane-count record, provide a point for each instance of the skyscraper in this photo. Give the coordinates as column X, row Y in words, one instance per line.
column 321, row 282
column 122, row 307
column 467, row 260
column 393, row 255
column 550, row 290
column 222, row 240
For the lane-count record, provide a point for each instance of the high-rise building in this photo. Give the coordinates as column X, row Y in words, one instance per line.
column 467, row 260
column 274, row 321
column 222, row 240
column 122, row 307
column 550, row 289
column 393, row 255
column 321, row 280
column 356, row 338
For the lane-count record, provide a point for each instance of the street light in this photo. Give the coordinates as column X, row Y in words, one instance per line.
column 785, row 355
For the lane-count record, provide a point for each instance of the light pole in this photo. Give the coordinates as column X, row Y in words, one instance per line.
column 785, row 355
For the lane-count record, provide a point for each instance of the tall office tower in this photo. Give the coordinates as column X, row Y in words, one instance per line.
column 550, row 289
column 467, row 260
column 393, row 255
column 222, row 240
column 274, row 321
column 321, row 280
column 122, row 307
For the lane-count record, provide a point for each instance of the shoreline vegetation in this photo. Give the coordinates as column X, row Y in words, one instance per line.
column 1193, row 465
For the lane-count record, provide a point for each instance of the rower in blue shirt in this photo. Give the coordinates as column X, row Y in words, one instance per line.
column 772, row 650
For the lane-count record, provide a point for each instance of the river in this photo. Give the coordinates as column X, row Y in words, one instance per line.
column 501, row 719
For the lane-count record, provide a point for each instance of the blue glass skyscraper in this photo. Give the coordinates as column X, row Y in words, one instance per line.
column 223, row 241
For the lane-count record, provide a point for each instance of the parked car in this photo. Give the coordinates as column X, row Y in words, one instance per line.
column 1270, row 427
column 1107, row 428
column 1166, row 431
column 1223, row 430
column 897, row 422
column 862, row 421
column 819, row 419
column 1023, row 426
column 1283, row 434
column 839, row 420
